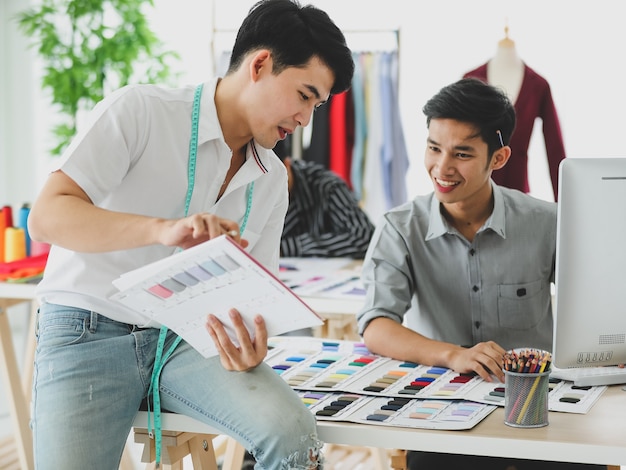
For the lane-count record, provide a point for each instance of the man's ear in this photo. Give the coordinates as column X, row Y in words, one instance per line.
column 261, row 62
column 500, row 157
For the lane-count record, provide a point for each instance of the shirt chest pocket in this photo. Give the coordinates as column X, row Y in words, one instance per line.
column 520, row 305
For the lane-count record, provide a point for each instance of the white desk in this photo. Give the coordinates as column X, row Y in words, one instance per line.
column 597, row 437
column 18, row 386
column 339, row 312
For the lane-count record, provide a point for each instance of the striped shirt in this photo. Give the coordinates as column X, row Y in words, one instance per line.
column 324, row 218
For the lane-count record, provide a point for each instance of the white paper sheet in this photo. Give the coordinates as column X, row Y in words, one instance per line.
column 213, row 277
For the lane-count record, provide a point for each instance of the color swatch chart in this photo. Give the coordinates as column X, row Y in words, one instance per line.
column 401, row 412
column 212, row 277
column 349, row 367
column 397, row 379
column 328, row 368
column 563, row 396
column 406, row 379
column 337, row 278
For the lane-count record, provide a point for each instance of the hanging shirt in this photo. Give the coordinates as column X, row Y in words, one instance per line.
column 394, row 154
column 374, row 199
column 534, row 101
column 324, row 218
column 318, row 148
column 360, row 127
column 341, row 134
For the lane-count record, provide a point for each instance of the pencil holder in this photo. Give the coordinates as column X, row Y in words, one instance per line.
column 526, row 399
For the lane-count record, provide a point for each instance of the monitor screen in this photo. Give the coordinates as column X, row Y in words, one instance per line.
column 590, row 278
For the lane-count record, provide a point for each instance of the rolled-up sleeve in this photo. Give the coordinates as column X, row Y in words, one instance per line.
column 387, row 277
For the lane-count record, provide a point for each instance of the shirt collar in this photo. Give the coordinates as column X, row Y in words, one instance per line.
column 209, row 127
column 497, row 221
column 439, row 226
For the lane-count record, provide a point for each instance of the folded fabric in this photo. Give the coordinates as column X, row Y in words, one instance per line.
column 23, row 268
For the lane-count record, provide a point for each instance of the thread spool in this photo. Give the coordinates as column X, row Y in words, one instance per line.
column 3, row 227
column 7, row 214
column 23, row 223
column 14, row 244
column 38, row 248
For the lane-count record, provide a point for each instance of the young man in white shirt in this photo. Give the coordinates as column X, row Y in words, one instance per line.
column 157, row 170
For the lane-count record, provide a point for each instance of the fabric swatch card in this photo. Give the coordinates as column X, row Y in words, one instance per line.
column 349, row 367
column 401, row 412
column 422, row 413
column 563, row 395
column 213, row 277
column 332, row 278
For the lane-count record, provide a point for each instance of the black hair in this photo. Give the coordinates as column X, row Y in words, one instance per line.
column 294, row 34
column 475, row 102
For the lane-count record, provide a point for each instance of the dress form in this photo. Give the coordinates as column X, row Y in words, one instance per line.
column 506, row 69
column 531, row 95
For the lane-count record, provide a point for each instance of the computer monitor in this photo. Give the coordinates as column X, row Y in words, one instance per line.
column 590, row 279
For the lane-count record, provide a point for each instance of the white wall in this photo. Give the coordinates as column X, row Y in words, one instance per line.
column 18, row 119
column 576, row 46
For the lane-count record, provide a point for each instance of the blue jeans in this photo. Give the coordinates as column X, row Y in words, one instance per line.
column 92, row 373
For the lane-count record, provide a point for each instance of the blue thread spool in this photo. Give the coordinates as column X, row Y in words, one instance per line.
column 23, row 223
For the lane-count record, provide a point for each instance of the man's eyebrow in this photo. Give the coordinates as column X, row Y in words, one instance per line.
column 465, row 148
column 313, row 90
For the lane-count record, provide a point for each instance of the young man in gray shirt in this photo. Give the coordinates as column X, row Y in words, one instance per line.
column 457, row 277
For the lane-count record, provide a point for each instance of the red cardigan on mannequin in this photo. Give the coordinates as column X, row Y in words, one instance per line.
column 534, row 101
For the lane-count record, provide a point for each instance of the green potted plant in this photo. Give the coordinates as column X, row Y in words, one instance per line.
column 90, row 47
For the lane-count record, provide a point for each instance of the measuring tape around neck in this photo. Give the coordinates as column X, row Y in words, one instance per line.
column 160, row 359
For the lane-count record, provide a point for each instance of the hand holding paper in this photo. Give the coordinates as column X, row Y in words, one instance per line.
column 250, row 353
column 213, row 277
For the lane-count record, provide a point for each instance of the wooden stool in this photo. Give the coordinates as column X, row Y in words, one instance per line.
column 177, row 445
column 398, row 459
column 17, row 386
column 183, row 436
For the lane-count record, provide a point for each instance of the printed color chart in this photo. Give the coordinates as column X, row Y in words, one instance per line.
column 402, row 412
column 342, row 380
column 212, row 277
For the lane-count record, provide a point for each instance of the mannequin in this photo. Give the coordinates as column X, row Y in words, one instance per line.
column 506, row 69
column 531, row 95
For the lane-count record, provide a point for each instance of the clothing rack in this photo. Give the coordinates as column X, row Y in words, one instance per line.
column 372, row 40
column 358, row 40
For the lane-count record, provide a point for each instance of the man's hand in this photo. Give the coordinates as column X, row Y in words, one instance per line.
column 250, row 353
column 198, row 228
column 485, row 359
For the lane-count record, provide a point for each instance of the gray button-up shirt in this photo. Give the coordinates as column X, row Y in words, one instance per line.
column 421, row 271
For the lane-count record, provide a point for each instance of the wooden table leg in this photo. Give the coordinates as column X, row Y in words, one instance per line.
column 13, row 385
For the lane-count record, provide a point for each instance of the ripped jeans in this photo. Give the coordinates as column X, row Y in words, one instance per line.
column 92, row 373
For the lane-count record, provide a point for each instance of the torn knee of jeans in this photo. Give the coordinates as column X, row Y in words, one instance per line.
column 314, row 459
